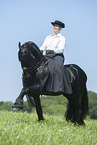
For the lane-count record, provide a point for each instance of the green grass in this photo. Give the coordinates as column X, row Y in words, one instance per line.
column 18, row 128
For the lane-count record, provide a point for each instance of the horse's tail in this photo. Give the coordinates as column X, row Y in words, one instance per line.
column 85, row 102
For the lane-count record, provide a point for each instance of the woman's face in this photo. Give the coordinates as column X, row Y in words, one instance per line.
column 57, row 29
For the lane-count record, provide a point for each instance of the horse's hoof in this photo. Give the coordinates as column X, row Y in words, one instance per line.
column 40, row 120
column 79, row 123
column 15, row 109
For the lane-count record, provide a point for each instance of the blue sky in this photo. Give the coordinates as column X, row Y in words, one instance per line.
column 24, row 20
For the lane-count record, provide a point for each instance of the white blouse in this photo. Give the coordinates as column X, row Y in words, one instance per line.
column 55, row 43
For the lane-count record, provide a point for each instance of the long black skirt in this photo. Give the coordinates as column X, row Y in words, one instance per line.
column 58, row 79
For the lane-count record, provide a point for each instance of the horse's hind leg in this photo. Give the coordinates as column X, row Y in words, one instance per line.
column 83, row 105
column 78, row 111
column 38, row 108
column 75, row 108
column 70, row 109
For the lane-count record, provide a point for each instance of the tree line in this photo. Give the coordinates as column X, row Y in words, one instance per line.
column 55, row 105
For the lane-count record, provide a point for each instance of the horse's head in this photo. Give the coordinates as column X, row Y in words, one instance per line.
column 29, row 55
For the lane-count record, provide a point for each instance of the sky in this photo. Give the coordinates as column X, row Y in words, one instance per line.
column 30, row 20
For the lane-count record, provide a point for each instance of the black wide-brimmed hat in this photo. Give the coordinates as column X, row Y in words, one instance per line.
column 59, row 23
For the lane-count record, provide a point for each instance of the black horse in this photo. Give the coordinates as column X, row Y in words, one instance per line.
column 35, row 78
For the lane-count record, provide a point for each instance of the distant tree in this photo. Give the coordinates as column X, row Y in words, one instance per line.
column 5, row 105
column 92, row 105
column 1, row 103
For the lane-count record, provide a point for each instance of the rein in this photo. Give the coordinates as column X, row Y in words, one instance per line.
column 38, row 66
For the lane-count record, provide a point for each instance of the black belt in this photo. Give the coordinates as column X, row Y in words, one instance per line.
column 51, row 53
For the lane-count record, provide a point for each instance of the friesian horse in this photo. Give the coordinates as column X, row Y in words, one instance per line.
column 35, row 78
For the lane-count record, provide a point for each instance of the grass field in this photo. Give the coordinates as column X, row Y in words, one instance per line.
column 18, row 128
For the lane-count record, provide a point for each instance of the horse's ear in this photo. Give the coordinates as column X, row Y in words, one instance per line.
column 19, row 45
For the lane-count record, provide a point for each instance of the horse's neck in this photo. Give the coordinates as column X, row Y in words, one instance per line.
column 36, row 52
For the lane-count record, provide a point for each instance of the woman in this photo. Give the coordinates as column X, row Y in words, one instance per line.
column 55, row 42
column 54, row 47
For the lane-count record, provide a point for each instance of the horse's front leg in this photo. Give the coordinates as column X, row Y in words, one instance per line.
column 38, row 108
column 19, row 103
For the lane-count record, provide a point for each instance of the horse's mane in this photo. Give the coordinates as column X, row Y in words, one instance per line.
column 30, row 44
